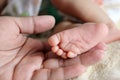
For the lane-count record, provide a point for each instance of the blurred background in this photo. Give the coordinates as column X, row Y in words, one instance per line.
column 23, row 8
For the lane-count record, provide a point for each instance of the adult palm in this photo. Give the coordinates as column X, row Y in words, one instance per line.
column 22, row 58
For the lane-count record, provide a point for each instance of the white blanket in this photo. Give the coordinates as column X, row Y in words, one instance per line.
column 108, row 68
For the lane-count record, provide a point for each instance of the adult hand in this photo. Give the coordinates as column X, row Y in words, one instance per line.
column 22, row 58
column 56, row 68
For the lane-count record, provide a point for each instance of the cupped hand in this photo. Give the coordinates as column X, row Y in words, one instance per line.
column 20, row 55
column 22, row 58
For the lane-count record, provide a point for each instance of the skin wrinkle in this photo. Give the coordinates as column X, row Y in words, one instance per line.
column 28, row 53
column 16, row 53
column 22, row 47
column 74, row 46
column 20, row 24
column 12, row 59
column 40, row 66
column 17, row 36
column 14, row 19
column 33, row 23
column 61, row 41
column 19, row 61
column 83, row 40
column 15, row 58
column 15, row 64
column 31, row 51
column 32, row 26
column 64, row 47
column 78, row 46
column 33, row 73
column 59, row 38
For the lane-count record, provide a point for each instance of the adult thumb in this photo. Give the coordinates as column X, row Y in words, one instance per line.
column 38, row 24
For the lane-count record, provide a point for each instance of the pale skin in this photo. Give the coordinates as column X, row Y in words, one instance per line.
column 83, row 38
column 23, row 58
column 87, row 11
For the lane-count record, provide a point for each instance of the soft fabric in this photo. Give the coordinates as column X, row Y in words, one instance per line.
column 108, row 68
column 22, row 8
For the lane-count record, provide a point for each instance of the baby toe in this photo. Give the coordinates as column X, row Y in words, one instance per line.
column 73, row 48
column 71, row 54
column 54, row 40
column 59, row 52
column 55, row 49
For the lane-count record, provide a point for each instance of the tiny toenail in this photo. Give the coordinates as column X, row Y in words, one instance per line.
column 55, row 49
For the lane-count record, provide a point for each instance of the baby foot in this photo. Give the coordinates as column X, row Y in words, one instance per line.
column 71, row 42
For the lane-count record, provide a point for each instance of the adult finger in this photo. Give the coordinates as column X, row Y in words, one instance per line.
column 62, row 73
column 36, row 24
column 94, row 55
column 86, row 59
column 30, row 63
